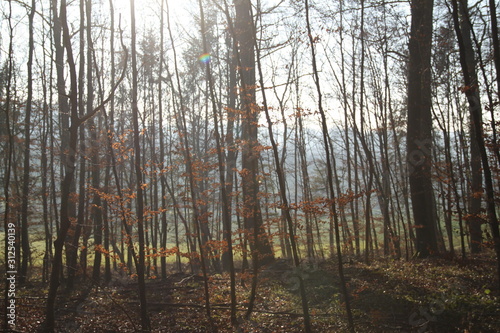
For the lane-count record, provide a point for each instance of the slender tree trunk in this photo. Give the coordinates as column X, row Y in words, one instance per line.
column 231, row 150
column 163, row 216
column 496, row 41
column 181, row 123
column 285, row 208
column 69, row 158
column 226, row 217
column 96, row 210
column 306, row 188
column 72, row 245
column 25, row 243
column 145, row 322
column 10, row 246
column 45, row 171
column 474, row 221
column 107, row 225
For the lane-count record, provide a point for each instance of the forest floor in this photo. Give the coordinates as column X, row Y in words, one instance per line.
column 432, row 295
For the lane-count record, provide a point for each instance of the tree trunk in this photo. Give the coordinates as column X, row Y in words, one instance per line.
column 10, row 246
column 146, row 324
column 73, row 243
column 69, row 158
column 262, row 252
column 182, row 128
column 163, row 214
column 25, row 243
column 285, row 207
column 231, row 151
column 419, row 128
column 474, row 221
column 226, row 216
column 326, row 142
column 96, row 210
column 474, row 108
column 496, row 42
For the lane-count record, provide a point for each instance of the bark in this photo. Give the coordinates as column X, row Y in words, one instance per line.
column 145, row 322
column 496, row 41
column 96, row 208
column 25, row 243
column 419, row 128
column 474, row 108
column 107, row 227
column 72, row 245
column 9, row 222
column 67, row 181
column 163, row 217
column 231, row 150
column 262, row 252
column 474, row 221
column 44, row 162
column 226, row 216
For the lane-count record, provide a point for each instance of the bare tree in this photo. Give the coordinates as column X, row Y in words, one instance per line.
column 10, row 246
column 226, row 217
column 474, row 110
column 25, row 243
column 66, row 184
column 260, row 246
column 419, row 128
column 146, row 324
column 326, row 143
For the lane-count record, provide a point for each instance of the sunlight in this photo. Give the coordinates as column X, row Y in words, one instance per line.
column 151, row 8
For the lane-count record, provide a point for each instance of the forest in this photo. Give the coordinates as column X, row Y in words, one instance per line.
column 250, row 166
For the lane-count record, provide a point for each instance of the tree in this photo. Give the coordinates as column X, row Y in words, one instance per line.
column 226, row 217
column 419, row 128
column 470, row 90
column 74, row 237
column 474, row 221
column 285, row 207
column 326, row 142
column 96, row 217
column 67, row 181
column 10, row 246
column 140, row 267
column 259, row 241
column 69, row 159
column 25, row 243
column 496, row 42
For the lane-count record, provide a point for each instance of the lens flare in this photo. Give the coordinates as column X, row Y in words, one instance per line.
column 205, row 58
